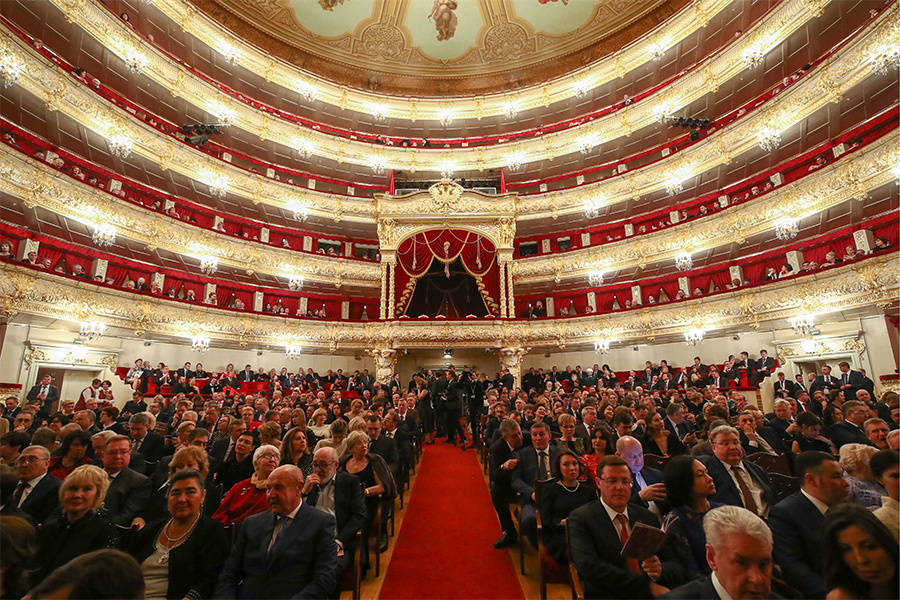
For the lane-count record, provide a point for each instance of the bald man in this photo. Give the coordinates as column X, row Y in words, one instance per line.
column 647, row 489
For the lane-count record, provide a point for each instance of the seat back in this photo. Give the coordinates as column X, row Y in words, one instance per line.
column 771, row 463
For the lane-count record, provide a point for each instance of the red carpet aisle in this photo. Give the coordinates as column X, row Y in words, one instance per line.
column 446, row 546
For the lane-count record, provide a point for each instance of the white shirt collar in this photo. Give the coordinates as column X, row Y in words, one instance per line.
column 293, row 514
column 33, row 482
column 612, row 513
column 821, row 506
column 720, row 590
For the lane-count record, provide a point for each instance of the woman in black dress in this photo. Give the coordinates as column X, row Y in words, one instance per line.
column 810, row 435
column 660, row 441
column 561, row 498
column 426, row 411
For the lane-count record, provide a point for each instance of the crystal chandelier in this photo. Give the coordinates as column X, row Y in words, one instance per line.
column 104, row 235
column 295, row 283
column 683, row 261
column 301, row 212
column 583, row 86
column 769, row 139
column 595, row 278
column 136, row 62
column 292, row 352
column 884, row 58
column 786, row 229
column 592, row 207
column 693, row 337
column 656, row 51
column 92, row 330
column 511, row 110
column 224, row 114
column 199, row 343
column 802, row 324
column 446, row 117
column 752, row 57
column 230, row 53
column 378, row 164
column 810, row 346
column 379, row 111
column 601, row 346
column 120, row 146
column 447, row 170
column 10, row 69
column 306, row 90
column 305, row 148
column 586, row 143
column 662, row 113
column 218, row 185
column 209, row 264
column 674, row 186
column 514, row 161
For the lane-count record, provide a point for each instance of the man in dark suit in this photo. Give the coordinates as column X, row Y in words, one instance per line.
column 716, row 379
column 647, row 487
column 796, row 521
column 824, row 382
column 764, row 367
column 598, row 532
column 12, row 409
column 782, row 420
column 504, row 458
column 150, row 444
column 340, row 495
column 37, row 492
column 247, row 374
column 738, row 482
column 799, row 386
column 288, row 551
column 739, row 552
column 867, row 383
column 851, row 381
column 128, row 491
column 585, row 429
column 409, row 416
column 185, row 371
column 535, row 463
column 397, row 431
column 507, row 380
column 783, row 387
column 850, row 430
column 676, row 422
column 224, row 448
column 44, row 393
column 381, row 444
column 757, row 439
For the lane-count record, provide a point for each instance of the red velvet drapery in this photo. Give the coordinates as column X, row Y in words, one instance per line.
column 477, row 255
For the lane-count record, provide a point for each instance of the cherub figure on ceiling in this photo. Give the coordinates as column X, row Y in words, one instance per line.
column 445, row 20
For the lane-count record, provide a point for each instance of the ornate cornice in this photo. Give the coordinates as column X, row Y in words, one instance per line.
column 211, row 33
column 848, row 178
column 39, row 185
column 773, row 30
column 830, row 81
column 874, row 281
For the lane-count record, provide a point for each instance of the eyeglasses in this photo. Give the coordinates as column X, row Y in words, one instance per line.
column 322, row 465
column 270, row 455
column 24, row 460
column 617, row 482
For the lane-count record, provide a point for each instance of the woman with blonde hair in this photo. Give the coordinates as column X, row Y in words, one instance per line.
column 357, row 424
column 270, row 434
column 295, row 451
column 864, row 490
column 317, row 423
column 78, row 528
column 339, row 430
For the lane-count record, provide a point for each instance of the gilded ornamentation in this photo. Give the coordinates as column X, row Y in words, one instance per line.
column 855, row 345
column 382, row 41
column 111, row 361
column 385, row 363
column 36, row 354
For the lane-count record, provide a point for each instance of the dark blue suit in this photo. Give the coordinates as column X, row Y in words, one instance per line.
column 303, row 565
column 700, row 589
column 727, row 491
column 43, row 499
column 523, row 477
column 797, row 536
column 650, row 476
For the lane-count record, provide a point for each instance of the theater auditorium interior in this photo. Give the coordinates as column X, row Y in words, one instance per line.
column 449, row 299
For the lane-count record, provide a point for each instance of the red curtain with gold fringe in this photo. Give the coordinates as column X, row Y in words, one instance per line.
column 477, row 255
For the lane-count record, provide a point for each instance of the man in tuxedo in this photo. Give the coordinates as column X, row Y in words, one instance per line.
column 338, row 494
column 867, row 383
column 535, row 463
column 44, row 393
column 757, row 439
column 738, row 482
column 86, row 419
column 739, row 552
column 824, row 382
column 763, row 368
column 37, row 493
column 701, row 368
column 647, row 487
column 507, row 380
column 288, row 551
column 381, row 444
column 396, row 430
column 850, row 430
column 367, row 380
column 851, row 381
column 410, row 416
column 128, row 491
column 150, row 444
column 599, row 530
column 504, row 458
column 796, row 521
column 716, row 379
column 783, row 387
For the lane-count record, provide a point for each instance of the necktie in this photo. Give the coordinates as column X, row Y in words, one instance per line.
column 44, row 390
column 20, row 490
column 749, row 502
column 543, row 467
column 285, row 523
column 845, row 378
column 633, row 565
column 828, row 379
column 137, row 445
column 232, row 454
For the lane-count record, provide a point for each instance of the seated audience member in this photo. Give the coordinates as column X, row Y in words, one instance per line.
column 688, row 489
column 288, row 551
column 339, row 430
column 568, row 440
column 739, row 553
column 99, row 575
column 339, row 494
column 37, row 492
column 248, row 497
column 601, row 445
column 295, row 451
column 864, row 489
column 850, row 430
column 182, row 553
column 809, row 437
column 11, row 445
column 796, row 521
column 660, row 441
column 738, row 482
column 128, row 490
column 17, row 538
column 239, row 464
column 861, row 555
column 534, row 463
column 504, row 459
column 78, row 529
column 885, row 465
column 8, row 483
column 648, row 489
column 757, row 439
column 150, row 444
column 72, row 454
column 559, row 500
column 223, row 448
column 877, row 431
column 599, row 530
column 191, row 457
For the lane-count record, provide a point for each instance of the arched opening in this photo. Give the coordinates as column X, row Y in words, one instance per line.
column 448, row 291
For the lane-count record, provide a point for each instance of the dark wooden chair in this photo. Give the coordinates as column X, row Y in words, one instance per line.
column 374, row 540
column 352, row 578
column 546, row 564
column 772, row 463
column 574, row 580
column 231, row 531
column 784, row 485
column 656, row 462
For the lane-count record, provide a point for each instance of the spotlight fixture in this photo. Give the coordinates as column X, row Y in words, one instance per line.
column 885, row 57
column 595, row 278
column 694, row 337
column 786, row 229
column 292, row 352
column 209, row 264
column 683, row 261
column 199, row 343
column 769, row 139
column 10, row 68
column 802, row 324
column 92, row 330
column 448, row 352
column 295, row 283
column 104, row 235
column 601, row 346
column 120, row 145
